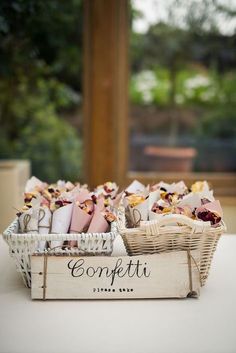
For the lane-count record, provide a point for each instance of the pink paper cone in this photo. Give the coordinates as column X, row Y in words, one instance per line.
column 80, row 220
column 98, row 223
column 82, row 196
column 213, row 206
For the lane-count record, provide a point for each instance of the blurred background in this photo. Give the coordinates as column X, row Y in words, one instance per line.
column 183, row 85
column 41, row 85
column 181, row 89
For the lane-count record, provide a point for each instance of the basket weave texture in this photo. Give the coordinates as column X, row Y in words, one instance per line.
column 172, row 233
column 22, row 246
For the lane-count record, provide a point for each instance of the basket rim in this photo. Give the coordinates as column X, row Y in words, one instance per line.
column 166, row 229
column 9, row 232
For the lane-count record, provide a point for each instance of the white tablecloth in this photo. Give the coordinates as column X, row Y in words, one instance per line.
column 203, row 325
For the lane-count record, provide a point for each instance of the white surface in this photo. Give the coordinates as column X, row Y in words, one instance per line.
column 203, row 325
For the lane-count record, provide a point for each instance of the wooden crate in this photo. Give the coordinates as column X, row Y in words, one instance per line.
column 166, row 275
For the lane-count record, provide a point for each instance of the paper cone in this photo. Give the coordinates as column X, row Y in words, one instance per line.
column 193, row 200
column 44, row 225
column 139, row 213
column 82, row 195
column 32, row 183
column 214, row 207
column 135, row 187
column 203, row 190
column 29, row 221
column 80, row 220
column 153, row 197
column 98, row 223
column 61, row 220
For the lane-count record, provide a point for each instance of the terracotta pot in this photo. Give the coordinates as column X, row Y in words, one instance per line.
column 170, row 159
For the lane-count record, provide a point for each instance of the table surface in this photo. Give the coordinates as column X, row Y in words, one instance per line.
column 206, row 324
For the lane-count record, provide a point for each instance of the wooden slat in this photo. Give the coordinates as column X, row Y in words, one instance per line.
column 105, row 90
column 168, row 275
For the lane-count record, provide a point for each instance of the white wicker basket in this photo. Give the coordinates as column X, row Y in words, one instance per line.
column 22, row 246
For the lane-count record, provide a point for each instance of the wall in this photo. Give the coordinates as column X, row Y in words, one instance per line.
column 13, row 177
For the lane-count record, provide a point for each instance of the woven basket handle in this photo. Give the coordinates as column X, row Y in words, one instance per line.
column 154, row 226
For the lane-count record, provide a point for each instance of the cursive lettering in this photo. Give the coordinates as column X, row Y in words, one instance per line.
column 131, row 269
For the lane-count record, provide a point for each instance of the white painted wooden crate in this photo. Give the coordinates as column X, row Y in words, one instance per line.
column 167, row 275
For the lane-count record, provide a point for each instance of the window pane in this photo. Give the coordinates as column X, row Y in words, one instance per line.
column 183, row 86
column 40, row 85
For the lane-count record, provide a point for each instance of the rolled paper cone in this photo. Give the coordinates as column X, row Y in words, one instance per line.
column 135, row 187
column 61, row 220
column 45, row 218
column 204, row 191
column 29, row 221
column 100, row 206
column 214, row 207
column 153, row 197
column 79, row 222
column 139, row 213
column 207, row 194
column 98, row 223
column 32, row 183
column 193, row 200
column 79, row 192
column 44, row 225
column 179, row 187
column 82, row 195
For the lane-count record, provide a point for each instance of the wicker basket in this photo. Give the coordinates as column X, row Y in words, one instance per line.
column 22, row 246
column 172, row 233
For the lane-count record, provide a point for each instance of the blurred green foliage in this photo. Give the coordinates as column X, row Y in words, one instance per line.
column 187, row 62
column 40, row 80
column 193, row 87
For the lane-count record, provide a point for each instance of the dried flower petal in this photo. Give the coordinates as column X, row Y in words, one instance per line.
column 208, row 216
column 135, row 199
column 109, row 216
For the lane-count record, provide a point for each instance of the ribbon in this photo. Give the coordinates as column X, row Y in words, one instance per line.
column 42, row 214
column 26, row 221
column 133, row 221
